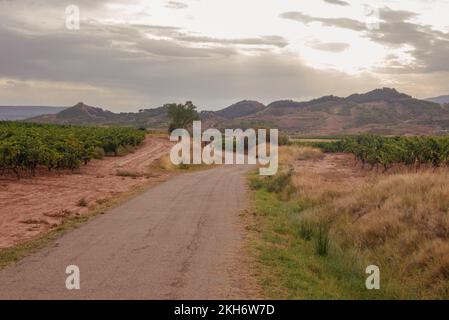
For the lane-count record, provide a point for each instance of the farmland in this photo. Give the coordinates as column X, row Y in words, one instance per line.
column 335, row 206
column 325, row 217
column 381, row 151
column 44, row 202
column 25, row 147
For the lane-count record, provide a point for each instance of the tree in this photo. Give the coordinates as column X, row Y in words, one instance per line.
column 181, row 115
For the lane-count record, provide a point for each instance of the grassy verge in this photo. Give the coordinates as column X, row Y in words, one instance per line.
column 292, row 261
column 314, row 238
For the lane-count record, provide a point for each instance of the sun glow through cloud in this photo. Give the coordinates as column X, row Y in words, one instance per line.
column 156, row 43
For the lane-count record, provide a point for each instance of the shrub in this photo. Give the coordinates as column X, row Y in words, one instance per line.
column 283, row 140
column 98, row 153
column 122, row 151
column 125, row 173
column 256, row 183
column 279, row 182
column 82, row 202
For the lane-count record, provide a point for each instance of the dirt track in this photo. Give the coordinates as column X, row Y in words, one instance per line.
column 178, row 240
column 31, row 206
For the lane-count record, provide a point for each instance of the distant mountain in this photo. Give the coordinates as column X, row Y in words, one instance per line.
column 78, row 114
column 440, row 99
column 384, row 111
column 385, row 94
column 21, row 113
column 241, row 109
column 84, row 114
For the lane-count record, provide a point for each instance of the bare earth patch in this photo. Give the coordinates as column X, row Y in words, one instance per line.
column 334, row 167
column 33, row 205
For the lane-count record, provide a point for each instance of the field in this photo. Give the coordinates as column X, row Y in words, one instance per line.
column 386, row 152
column 43, row 198
column 336, row 206
column 324, row 218
column 25, row 147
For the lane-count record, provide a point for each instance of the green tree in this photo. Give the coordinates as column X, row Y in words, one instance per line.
column 181, row 115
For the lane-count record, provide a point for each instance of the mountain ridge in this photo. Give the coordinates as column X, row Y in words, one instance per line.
column 382, row 110
column 444, row 99
column 12, row 113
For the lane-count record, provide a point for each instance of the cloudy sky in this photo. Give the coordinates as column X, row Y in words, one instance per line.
column 130, row 54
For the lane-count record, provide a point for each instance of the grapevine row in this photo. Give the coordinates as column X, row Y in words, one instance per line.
column 24, row 147
column 387, row 151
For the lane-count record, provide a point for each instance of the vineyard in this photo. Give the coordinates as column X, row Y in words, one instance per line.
column 25, row 147
column 387, row 151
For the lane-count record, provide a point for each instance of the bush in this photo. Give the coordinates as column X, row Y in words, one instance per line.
column 82, row 202
column 98, row 153
column 279, row 182
column 122, row 151
column 283, row 140
column 256, row 183
column 130, row 174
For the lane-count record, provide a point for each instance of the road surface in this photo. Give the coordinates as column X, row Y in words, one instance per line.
column 178, row 240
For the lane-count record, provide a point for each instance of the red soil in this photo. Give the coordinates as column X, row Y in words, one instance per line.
column 33, row 205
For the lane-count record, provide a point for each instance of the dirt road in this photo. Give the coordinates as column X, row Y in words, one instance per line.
column 178, row 240
column 32, row 206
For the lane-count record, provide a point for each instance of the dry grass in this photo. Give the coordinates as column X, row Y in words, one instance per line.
column 129, row 174
column 289, row 154
column 314, row 187
column 405, row 220
column 308, row 153
column 166, row 164
column 330, row 210
column 399, row 222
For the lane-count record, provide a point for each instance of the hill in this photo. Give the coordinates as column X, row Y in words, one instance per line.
column 383, row 111
column 241, row 109
column 440, row 99
column 84, row 114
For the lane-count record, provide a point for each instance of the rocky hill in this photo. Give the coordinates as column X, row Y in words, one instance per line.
column 384, row 111
column 241, row 109
column 84, row 114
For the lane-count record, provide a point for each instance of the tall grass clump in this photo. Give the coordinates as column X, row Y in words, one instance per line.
column 305, row 230
column 329, row 230
column 322, row 240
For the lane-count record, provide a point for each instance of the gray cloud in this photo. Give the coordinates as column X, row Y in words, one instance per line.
column 128, row 66
column 330, row 46
column 345, row 23
column 430, row 48
column 276, row 41
column 176, row 5
column 337, row 2
column 116, row 60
